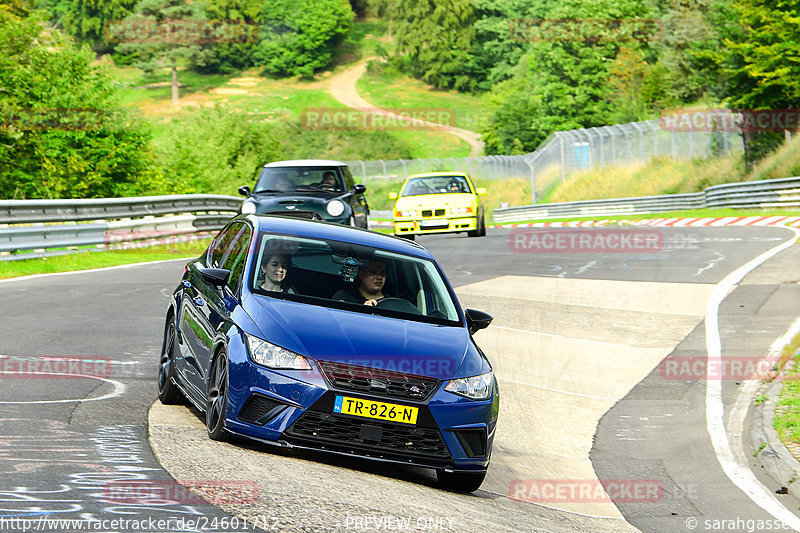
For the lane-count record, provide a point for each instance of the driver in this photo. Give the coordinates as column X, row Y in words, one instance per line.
column 328, row 179
column 370, row 288
column 455, row 186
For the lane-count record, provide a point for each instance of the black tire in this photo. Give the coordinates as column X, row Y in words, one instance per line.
column 217, row 399
column 480, row 229
column 460, row 482
column 168, row 392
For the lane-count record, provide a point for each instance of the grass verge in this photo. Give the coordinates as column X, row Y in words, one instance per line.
column 787, row 416
column 85, row 259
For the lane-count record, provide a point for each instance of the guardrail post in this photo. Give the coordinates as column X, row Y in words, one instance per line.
column 533, row 181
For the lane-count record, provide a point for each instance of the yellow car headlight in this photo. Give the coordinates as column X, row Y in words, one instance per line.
column 460, row 210
column 407, row 213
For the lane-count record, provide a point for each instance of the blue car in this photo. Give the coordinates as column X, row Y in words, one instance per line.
column 325, row 337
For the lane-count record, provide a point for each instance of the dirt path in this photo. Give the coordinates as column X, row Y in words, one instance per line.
column 343, row 88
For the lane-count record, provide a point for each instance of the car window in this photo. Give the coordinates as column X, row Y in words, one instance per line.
column 300, row 179
column 222, row 245
column 326, row 273
column 236, row 257
column 436, row 185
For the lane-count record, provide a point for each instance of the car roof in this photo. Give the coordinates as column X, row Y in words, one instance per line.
column 435, row 174
column 306, row 163
column 336, row 232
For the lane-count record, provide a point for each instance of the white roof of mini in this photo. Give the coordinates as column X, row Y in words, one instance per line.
column 306, row 163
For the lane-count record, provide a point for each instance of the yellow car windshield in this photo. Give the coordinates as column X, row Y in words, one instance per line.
column 436, row 185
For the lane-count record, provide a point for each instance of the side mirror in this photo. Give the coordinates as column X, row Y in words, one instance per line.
column 481, row 190
column 359, row 188
column 244, row 190
column 393, row 196
column 216, row 277
column 477, row 319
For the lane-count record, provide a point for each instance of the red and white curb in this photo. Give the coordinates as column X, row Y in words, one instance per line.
column 666, row 222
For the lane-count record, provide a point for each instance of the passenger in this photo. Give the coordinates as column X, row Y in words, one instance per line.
column 284, row 184
column 274, row 270
column 370, row 288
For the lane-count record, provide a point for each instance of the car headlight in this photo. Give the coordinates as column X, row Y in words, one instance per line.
column 335, row 208
column 406, row 214
column 248, row 207
column 460, row 210
column 272, row 356
column 474, row 388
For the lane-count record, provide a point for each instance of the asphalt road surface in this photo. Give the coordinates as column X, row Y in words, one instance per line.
column 578, row 345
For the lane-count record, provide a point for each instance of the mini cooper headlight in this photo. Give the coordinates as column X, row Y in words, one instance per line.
column 248, row 206
column 272, row 356
column 335, row 208
column 460, row 210
column 474, row 388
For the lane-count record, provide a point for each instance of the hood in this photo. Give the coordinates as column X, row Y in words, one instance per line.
column 293, row 201
column 350, row 337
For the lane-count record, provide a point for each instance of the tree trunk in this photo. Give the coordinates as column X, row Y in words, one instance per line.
column 174, row 81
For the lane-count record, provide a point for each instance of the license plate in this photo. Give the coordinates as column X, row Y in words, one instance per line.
column 390, row 412
column 433, row 222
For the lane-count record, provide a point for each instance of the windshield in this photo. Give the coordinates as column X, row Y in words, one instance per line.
column 436, row 185
column 299, row 179
column 344, row 275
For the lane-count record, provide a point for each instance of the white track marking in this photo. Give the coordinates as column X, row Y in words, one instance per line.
column 119, row 388
column 554, row 390
column 131, row 265
column 738, row 473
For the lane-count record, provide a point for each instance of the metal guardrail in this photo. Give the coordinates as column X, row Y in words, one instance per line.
column 31, row 211
column 114, row 220
column 783, row 192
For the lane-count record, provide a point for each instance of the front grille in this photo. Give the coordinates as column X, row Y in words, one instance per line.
column 427, row 212
column 439, row 213
column 378, row 382
column 310, row 215
column 347, row 434
column 473, row 441
column 260, row 410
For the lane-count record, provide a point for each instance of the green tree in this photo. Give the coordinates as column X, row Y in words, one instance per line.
column 230, row 54
column 564, row 79
column 89, row 20
column 161, row 30
column 434, row 40
column 299, row 37
column 762, row 66
column 63, row 133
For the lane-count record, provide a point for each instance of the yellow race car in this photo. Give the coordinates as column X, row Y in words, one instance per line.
column 438, row 202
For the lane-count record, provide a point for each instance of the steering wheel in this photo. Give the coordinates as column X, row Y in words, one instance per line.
column 398, row 304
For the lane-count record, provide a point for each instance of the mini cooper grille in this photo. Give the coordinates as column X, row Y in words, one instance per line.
column 260, row 410
column 408, row 441
column 378, row 382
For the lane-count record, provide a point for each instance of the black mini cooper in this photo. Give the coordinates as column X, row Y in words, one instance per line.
column 314, row 189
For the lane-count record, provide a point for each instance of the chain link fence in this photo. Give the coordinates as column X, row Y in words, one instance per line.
column 566, row 152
